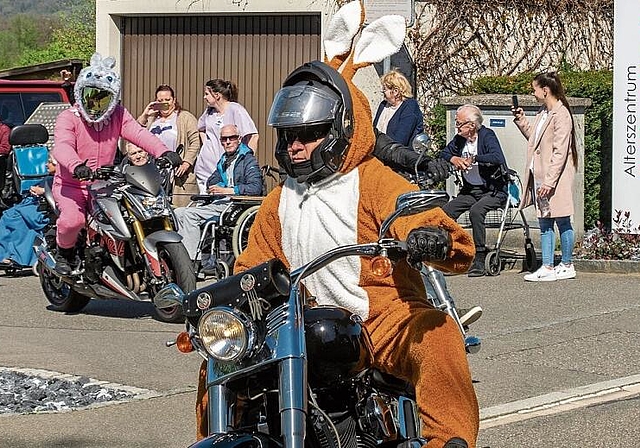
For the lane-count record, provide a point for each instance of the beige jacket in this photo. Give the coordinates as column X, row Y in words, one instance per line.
column 552, row 158
column 189, row 137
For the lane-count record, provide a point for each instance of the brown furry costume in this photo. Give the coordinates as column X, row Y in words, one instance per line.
column 411, row 339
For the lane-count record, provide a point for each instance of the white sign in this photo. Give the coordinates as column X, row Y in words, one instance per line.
column 374, row 9
column 626, row 112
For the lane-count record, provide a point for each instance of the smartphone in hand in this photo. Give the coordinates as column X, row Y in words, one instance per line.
column 160, row 106
column 514, row 101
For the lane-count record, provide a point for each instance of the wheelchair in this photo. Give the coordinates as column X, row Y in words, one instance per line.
column 505, row 219
column 224, row 237
column 28, row 167
column 27, row 162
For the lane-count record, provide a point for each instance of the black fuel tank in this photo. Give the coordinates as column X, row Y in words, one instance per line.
column 338, row 345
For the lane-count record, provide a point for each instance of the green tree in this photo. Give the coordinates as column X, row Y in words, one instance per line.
column 75, row 38
column 22, row 33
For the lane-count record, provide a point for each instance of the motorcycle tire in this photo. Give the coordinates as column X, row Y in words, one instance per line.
column 240, row 236
column 176, row 268
column 59, row 294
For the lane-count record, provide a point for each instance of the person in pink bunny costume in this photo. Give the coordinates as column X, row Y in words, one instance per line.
column 86, row 138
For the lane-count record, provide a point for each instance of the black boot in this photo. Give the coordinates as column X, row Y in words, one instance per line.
column 477, row 267
column 64, row 260
column 456, row 443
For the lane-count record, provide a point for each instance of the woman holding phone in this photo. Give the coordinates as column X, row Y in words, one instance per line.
column 176, row 128
column 552, row 159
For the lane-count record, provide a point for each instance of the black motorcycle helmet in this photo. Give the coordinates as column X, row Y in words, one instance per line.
column 314, row 101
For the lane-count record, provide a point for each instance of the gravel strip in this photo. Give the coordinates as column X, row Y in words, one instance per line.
column 27, row 391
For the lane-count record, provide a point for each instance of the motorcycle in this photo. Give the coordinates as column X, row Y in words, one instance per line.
column 433, row 279
column 129, row 248
column 283, row 371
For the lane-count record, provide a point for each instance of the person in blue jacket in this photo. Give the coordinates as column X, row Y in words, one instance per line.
column 21, row 224
column 476, row 153
column 399, row 115
column 237, row 173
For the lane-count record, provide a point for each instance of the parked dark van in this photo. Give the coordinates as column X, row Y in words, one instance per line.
column 18, row 99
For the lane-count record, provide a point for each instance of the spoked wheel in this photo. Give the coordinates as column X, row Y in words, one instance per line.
column 59, row 294
column 176, row 268
column 240, row 235
column 530, row 259
column 493, row 263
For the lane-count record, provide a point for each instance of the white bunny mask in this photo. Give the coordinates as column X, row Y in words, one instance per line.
column 98, row 75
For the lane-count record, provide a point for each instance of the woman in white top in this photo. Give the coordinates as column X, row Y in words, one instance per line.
column 175, row 126
column 222, row 109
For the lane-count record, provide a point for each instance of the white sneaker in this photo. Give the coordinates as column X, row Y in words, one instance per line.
column 543, row 274
column 565, row 271
column 469, row 316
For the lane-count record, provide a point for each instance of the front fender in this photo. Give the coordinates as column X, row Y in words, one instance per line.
column 238, row 440
column 151, row 242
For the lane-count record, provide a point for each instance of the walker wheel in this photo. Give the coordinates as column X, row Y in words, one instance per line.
column 530, row 259
column 493, row 263
column 223, row 269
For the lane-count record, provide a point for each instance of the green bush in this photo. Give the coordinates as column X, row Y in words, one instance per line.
column 596, row 85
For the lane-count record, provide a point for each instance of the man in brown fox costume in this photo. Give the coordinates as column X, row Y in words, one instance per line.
column 336, row 193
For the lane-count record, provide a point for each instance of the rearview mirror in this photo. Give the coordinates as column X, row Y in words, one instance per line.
column 421, row 143
column 169, row 296
column 414, row 202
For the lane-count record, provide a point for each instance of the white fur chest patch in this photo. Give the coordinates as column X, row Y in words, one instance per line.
column 316, row 219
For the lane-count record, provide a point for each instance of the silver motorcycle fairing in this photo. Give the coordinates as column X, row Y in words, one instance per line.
column 146, row 177
column 238, row 440
column 106, row 211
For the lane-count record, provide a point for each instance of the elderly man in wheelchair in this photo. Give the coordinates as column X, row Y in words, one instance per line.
column 237, row 174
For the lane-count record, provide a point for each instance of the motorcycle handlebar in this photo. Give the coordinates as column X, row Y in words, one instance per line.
column 105, row 173
column 397, row 248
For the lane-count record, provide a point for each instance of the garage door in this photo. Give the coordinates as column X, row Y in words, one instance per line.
column 256, row 52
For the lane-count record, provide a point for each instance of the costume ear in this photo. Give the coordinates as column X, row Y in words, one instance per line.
column 381, row 38
column 343, row 27
column 95, row 59
column 109, row 62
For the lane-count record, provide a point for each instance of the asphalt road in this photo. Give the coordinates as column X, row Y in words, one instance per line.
column 560, row 365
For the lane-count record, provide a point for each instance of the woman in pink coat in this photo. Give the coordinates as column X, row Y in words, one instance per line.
column 551, row 164
column 86, row 138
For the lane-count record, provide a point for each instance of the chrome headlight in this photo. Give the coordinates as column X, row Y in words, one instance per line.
column 225, row 334
column 153, row 201
column 147, row 206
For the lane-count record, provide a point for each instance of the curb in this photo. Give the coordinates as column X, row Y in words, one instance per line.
column 582, row 265
column 608, row 266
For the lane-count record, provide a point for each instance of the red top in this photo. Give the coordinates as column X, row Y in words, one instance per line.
column 5, row 147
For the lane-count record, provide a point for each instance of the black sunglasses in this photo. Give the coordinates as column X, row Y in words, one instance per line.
column 304, row 135
column 229, row 138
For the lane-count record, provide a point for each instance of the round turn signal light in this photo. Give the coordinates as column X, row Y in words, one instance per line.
column 183, row 342
column 381, row 266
